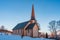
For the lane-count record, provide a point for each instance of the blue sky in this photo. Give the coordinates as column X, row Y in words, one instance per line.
column 13, row 12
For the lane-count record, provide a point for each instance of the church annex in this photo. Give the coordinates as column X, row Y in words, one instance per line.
column 28, row 28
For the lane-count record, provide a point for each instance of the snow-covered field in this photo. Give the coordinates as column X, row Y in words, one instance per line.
column 16, row 37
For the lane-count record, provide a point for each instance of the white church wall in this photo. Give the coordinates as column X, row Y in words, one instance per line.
column 35, row 31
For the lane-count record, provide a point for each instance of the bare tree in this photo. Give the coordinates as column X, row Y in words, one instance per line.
column 53, row 27
column 2, row 27
column 58, row 24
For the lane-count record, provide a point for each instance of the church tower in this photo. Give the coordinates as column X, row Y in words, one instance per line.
column 33, row 20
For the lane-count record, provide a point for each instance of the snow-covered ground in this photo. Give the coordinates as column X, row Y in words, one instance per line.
column 16, row 37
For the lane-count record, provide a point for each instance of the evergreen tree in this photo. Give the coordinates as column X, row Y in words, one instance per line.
column 46, row 35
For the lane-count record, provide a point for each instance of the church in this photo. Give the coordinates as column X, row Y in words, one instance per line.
column 28, row 28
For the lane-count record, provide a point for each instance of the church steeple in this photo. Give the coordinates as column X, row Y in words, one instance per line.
column 33, row 14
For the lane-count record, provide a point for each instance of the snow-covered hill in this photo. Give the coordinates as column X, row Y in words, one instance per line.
column 16, row 37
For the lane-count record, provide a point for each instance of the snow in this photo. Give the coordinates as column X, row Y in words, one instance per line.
column 16, row 37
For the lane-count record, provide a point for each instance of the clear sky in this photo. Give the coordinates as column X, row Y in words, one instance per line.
column 13, row 12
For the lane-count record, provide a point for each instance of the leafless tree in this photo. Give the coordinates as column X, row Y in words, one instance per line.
column 58, row 24
column 2, row 27
column 53, row 27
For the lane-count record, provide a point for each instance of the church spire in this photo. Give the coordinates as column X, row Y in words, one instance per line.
column 33, row 15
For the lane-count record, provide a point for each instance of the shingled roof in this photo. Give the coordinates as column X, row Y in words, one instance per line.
column 30, row 26
column 20, row 25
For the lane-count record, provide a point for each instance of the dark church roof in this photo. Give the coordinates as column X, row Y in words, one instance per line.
column 30, row 26
column 20, row 25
